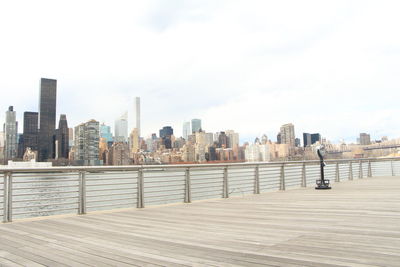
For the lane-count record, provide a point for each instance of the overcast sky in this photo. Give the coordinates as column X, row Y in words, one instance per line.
column 326, row 66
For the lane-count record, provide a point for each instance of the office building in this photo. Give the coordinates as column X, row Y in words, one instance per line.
column 62, row 138
column 278, row 138
column 87, row 138
column 210, row 139
column 264, row 139
column 119, row 154
column 365, row 139
column 166, row 131
column 310, row 139
column 47, row 119
column 30, row 130
column 10, row 135
column 196, row 125
column 134, row 116
column 287, row 134
column 166, row 134
column 71, row 137
column 186, row 130
column 306, row 139
column 134, row 141
column 20, row 146
column 121, row 128
column 223, row 140
column 297, row 142
column 233, row 139
column 105, row 132
column 316, row 137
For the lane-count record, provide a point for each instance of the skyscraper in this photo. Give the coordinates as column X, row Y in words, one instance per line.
column 165, row 134
column 105, row 132
column 186, row 130
column 287, row 134
column 121, row 128
column 134, row 141
column 365, row 139
column 306, row 139
column 134, row 115
column 316, row 137
column 310, row 139
column 11, row 135
column 166, row 131
column 30, row 130
column 47, row 118
column 62, row 138
column 233, row 139
column 87, row 137
column 223, row 140
column 196, row 125
column 137, row 112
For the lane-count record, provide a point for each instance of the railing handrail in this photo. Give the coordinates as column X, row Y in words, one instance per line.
column 179, row 181
column 177, row 166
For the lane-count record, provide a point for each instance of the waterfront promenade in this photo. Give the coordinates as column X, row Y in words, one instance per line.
column 357, row 223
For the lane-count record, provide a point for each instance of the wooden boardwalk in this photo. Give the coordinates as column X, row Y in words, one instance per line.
column 357, row 223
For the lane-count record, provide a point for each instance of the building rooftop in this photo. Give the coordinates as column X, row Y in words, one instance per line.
column 357, row 223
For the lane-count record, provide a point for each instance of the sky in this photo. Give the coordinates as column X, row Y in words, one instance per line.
column 331, row 67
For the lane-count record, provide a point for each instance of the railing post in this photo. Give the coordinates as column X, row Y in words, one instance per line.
column 188, row 193
column 337, row 174
column 282, row 178
column 10, row 185
column 5, row 198
column 225, row 184
column 360, row 171
column 257, row 180
column 303, row 176
column 82, row 193
column 140, row 189
column 351, row 170
column 369, row 169
column 391, row 165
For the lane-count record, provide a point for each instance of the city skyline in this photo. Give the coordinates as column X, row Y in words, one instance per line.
column 239, row 66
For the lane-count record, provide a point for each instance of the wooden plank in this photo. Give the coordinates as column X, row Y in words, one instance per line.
column 356, row 223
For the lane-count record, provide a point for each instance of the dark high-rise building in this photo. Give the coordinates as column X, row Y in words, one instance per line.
column 297, row 142
column 310, row 139
column 316, row 137
column 47, row 119
column 223, row 140
column 165, row 134
column 166, row 131
column 278, row 138
column 306, row 139
column 212, row 155
column 196, row 125
column 30, row 130
column 20, row 153
column 62, row 138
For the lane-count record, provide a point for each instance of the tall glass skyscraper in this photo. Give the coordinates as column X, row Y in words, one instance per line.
column 121, row 128
column 30, row 130
column 47, row 118
column 186, row 130
column 105, row 132
column 196, row 125
column 62, row 138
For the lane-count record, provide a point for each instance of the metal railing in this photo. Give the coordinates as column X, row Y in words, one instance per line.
column 32, row 192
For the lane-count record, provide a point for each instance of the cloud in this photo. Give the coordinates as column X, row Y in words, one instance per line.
column 251, row 66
